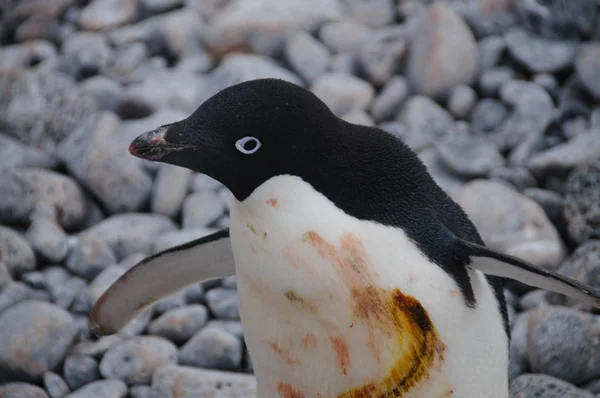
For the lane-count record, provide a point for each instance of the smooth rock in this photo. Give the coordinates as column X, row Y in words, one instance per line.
column 105, row 90
column 471, row 157
column 373, row 13
column 141, row 391
column 563, row 158
column 512, row 223
column 85, row 54
column 443, row 52
column 126, row 59
column 129, row 233
column 552, row 203
column 492, row 79
column 5, row 276
column 48, row 239
column 548, row 82
column 98, row 158
column 54, row 278
column 106, row 14
column 36, row 336
column 426, row 122
column 41, row 109
column 540, row 385
column 21, row 390
column 97, row 347
column 343, row 36
column 82, row 303
column 358, row 117
column 488, row 115
column 306, row 56
column 55, row 385
column 539, row 54
column 212, row 347
column 461, row 101
column 200, row 62
column 518, row 360
column 587, row 65
column 101, row 389
column 160, row 6
column 343, row 93
column 16, row 56
column 13, row 293
column 579, row 354
column 533, row 299
column 104, row 280
column 169, row 190
column 24, row 190
column 389, row 99
column 180, row 324
column 171, row 302
column 381, row 56
column 490, row 51
column 582, row 203
column 263, row 25
column 15, row 252
column 88, row 257
column 194, row 294
column 223, row 303
column 201, row 209
column 343, row 63
column 14, row 154
column 135, row 360
column 187, row 382
column 175, row 238
column 66, row 295
column 80, row 370
column 557, row 19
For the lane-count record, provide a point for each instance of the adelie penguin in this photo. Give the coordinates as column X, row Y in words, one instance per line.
column 357, row 275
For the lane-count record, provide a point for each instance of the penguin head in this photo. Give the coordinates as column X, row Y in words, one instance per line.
column 246, row 134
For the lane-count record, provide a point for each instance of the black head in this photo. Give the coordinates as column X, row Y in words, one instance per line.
column 245, row 135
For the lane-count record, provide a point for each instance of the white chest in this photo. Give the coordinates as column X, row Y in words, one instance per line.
column 333, row 306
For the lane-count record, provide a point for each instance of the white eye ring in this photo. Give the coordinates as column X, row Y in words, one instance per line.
column 240, row 145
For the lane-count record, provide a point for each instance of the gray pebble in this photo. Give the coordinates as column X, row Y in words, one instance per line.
column 175, row 238
column 15, row 252
column 226, row 197
column 88, row 257
column 539, row 54
column 557, row 19
column 105, row 90
column 492, row 79
column 488, row 115
column 135, row 360
column 212, row 347
column 101, row 389
column 552, row 203
column 83, row 327
column 36, row 336
column 233, row 327
column 358, row 117
column 5, row 276
column 443, row 52
column 533, row 299
column 54, row 278
column 168, row 303
column 201, row 209
column 17, row 56
column 126, row 59
column 582, row 203
column 587, row 65
column 229, row 282
column 540, row 385
column 194, row 294
column 381, row 55
column 97, row 156
column 223, row 303
column 170, row 188
column 579, row 354
column 306, row 56
column 469, row 156
column 55, row 385
column 490, row 50
column 593, row 386
column 106, row 14
column 200, row 62
column 373, row 13
column 395, row 128
column 519, row 177
column 98, row 347
column 461, row 101
column 14, row 293
column 386, row 104
column 104, row 280
column 48, row 239
column 518, row 360
column 21, row 390
column 343, row 93
column 70, row 289
column 562, row 159
column 141, row 391
column 343, row 63
column 80, row 370
column 138, row 324
column 202, row 183
column 512, row 223
column 426, row 122
column 129, row 233
column 168, row 380
column 16, row 154
column 85, row 54
column 548, row 82
column 344, row 36
column 160, row 6
column 82, row 303
column 180, row 324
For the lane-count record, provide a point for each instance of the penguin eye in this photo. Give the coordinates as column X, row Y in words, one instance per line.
column 247, row 145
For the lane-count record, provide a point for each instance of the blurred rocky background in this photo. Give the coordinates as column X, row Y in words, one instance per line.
column 501, row 99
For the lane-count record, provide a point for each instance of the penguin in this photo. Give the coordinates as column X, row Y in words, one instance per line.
column 357, row 275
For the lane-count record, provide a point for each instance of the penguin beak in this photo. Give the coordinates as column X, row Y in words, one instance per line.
column 153, row 145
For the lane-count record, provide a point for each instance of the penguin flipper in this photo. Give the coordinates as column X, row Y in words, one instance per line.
column 161, row 275
column 506, row 266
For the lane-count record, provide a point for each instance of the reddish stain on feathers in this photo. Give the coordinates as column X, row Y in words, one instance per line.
column 340, row 346
column 287, row 390
column 309, row 340
column 272, row 202
column 284, row 354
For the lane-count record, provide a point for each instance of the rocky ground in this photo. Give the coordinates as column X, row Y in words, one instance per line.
column 500, row 98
